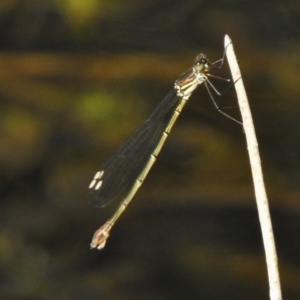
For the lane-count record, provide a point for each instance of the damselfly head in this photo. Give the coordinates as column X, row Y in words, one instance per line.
column 202, row 63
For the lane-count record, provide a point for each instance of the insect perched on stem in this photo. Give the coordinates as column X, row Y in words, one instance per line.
column 126, row 170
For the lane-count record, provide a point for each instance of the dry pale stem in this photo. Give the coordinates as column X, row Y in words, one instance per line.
column 255, row 162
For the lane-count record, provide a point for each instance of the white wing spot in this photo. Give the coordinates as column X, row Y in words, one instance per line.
column 92, row 183
column 97, row 187
column 99, row 175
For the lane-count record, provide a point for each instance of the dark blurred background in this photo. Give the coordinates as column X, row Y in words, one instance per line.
column 76, row 78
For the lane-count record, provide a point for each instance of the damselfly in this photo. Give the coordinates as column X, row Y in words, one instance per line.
column 127, row 169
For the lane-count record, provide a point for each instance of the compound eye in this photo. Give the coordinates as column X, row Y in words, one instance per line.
column 202, row 61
